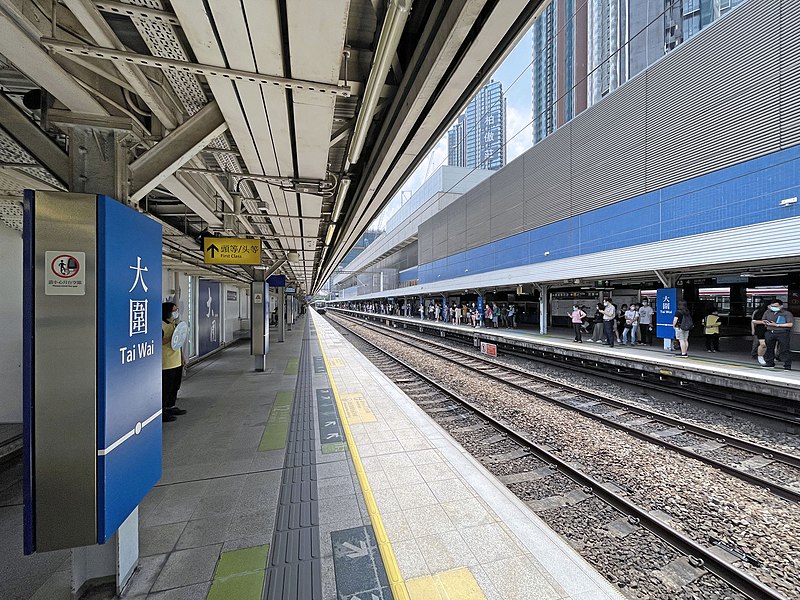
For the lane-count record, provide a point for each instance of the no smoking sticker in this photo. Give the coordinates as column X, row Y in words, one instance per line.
column 65, row 273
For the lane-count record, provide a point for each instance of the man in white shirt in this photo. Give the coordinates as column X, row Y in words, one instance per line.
column 609, row 321
column 646, row 325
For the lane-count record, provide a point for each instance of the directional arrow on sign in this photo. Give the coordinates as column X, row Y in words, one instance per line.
column 374, row 597
column 213, row 249
column 355, row 551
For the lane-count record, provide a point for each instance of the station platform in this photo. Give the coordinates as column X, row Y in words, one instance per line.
column 317, row 479
column 724, row 369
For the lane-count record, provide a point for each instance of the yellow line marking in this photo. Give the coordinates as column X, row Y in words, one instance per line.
column 357, row 409
column 384, row 545
column 458, row 584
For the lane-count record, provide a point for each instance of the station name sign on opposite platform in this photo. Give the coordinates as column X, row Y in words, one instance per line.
column 231, row 251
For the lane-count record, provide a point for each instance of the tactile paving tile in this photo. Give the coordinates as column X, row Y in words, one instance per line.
column 294, row 569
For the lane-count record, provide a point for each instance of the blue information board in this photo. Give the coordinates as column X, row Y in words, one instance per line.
column 128, row 361
column 666, row 302
column 276, row 281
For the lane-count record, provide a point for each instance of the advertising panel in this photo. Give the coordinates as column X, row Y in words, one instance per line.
column 209, row 322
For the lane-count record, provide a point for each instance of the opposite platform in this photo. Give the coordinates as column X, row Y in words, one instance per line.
column 699, row 367
column 453, row 529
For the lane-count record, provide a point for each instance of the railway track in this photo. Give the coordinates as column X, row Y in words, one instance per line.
column 781, row 411
column 645, row 424
column 498, row 443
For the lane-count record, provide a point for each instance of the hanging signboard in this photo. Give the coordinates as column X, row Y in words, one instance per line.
column 231, row 251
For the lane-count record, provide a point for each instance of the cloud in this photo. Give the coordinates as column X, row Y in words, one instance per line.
column 519, row 131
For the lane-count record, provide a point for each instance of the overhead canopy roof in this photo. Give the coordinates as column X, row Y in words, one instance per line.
column 294, row 121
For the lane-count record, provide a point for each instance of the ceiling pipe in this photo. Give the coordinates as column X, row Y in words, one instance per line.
column 344, row 185
column 396, row 16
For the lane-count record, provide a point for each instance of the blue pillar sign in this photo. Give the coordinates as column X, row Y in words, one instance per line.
column 129, row 368
column 92, row 367
column 666, row 301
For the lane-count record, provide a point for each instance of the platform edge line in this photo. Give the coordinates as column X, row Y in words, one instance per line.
column 396, row 581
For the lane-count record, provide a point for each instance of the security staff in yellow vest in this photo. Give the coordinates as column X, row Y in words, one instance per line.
column 172, row 362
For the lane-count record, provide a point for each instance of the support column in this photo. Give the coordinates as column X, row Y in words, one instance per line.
column 544, row 312
column 259, row 323
column 281, row 314
column 98, row 164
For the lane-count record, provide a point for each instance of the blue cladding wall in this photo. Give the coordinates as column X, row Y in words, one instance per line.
column 408, row 274
column 740, row 195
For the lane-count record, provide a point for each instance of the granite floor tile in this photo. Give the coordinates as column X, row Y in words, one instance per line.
column 410, row 559
column 414, row 496
column 188, row 567
column 159, row 539
column 145, row 575
column 489, row 543
column 202, row 532
column 449, row 490
column 518, row 579
column 445, row 551
column 190, row 592
column 468, row 512
column 430, row 520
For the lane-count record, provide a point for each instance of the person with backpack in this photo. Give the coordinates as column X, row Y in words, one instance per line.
column 683, row 323
column 711, row 328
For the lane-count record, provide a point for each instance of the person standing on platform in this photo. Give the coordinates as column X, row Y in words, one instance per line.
column 609, row 322
column 172, row 362
column 646, row 325
column 512, row 316
column 711, row 329
column 597, row 324
column 631, row 317
column 759, row 331
column 683, row 323
column 495, row 316
column 779, row 323
column 577, row 316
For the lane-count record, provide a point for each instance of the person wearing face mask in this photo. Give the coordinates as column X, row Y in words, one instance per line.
column 172, row 362
column 577, row 316
column 609, row 322
column 778, row 322
column 646, row 324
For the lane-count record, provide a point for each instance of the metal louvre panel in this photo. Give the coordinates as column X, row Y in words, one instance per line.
column 456, row 228
column 547, row 180
column 478, row 203
column 730, row 115
column 790, row 73
column 505, row 187
column 425, row 242
column 608, row 149
column 506, row 224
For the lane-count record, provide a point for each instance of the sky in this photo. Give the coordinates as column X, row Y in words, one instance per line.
column 515, row 75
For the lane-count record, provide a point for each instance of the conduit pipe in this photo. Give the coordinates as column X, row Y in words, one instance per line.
column 396, row 16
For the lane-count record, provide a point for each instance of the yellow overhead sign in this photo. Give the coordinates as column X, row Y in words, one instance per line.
column 231, row 251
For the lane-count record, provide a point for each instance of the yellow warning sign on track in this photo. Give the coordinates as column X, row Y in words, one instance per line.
column 231, row 251
column 356, row 409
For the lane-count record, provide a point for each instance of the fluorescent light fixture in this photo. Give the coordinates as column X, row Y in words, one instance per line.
column 344, row 185
column 396, row 15
column 329, row 237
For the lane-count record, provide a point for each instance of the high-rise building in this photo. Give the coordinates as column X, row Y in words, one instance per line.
column 584, row 50
column 478, row 137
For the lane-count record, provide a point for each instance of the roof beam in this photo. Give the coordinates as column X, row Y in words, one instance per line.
column 184, row 190
column 122, row 58
column 30, row 58
column 35, row 141
column 168, row 155
column 101, row 32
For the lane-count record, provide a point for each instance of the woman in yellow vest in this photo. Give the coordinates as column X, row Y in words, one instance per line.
column 711, row 328
column 172, row 362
